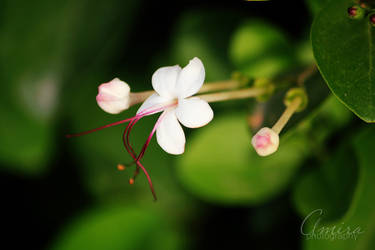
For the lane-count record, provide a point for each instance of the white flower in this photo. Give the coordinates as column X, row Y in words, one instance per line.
column 265, row 142
column 174, row 87
column 113, row 96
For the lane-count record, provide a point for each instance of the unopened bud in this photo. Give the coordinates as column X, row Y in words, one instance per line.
column 266, row 84
column 131, row 181
column 265, row 142
column 113, row 96
column 372, row 19
column 292, row 94
column 243, row 80
column 356, row 12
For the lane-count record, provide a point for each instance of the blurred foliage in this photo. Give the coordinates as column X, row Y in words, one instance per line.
column 259, row 49
column 38, row 58
column 333, row 183
column 361, row 211
column 240, row 176
column 233, row 173
column 205, row 34
column 120, row 227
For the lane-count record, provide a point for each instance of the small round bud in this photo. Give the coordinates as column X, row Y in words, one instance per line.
column 131, row 181
column 265, row 142
column 372, row 19
column 241, row 78
column 113, row 96
column 268, row 85
column 356, row 12
column 292, row 94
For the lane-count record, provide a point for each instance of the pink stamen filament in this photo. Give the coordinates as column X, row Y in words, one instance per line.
column 141, row 114
column 141, row 154
column 132, row 121
column 97, row 129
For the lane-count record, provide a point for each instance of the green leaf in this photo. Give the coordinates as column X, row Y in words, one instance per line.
column 118, row 228
column 329, row 187
column 361, row 213
column 231, row 172
column 258, row 49
column 343, row 48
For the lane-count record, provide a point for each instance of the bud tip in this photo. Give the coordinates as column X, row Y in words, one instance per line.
column 265, row 142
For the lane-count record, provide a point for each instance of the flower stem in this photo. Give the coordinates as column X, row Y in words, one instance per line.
column 279, row 125
column 138, row 97
column 218, row 86
column 233, row 95
column 304, row 75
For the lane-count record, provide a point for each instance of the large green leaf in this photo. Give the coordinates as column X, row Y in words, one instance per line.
column 360, row 216
column 343, row 48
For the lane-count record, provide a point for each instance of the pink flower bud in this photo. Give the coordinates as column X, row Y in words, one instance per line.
column 265, row 142
column 113, row 96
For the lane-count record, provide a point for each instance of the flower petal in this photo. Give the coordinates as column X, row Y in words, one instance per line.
column 170, row 134
column 194, row 112
column 191, row 78
column 153, row 102
column 164, row 80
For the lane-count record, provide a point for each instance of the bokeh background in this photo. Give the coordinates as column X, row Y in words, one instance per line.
column 60, row 193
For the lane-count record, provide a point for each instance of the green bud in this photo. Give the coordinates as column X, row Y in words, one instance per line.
column 356, row 12
column 372, row 18
column 241, row 78
column 268, row 85
column 292, row 94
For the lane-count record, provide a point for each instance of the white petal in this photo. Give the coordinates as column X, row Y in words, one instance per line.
column 170, row 134
column 164, row 80
column 153, row 102
column 113, row 96
column 194, row 112
column 191, row 78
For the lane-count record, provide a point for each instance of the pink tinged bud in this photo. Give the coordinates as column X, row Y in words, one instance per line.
column 265, row 142
column 113, row 96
